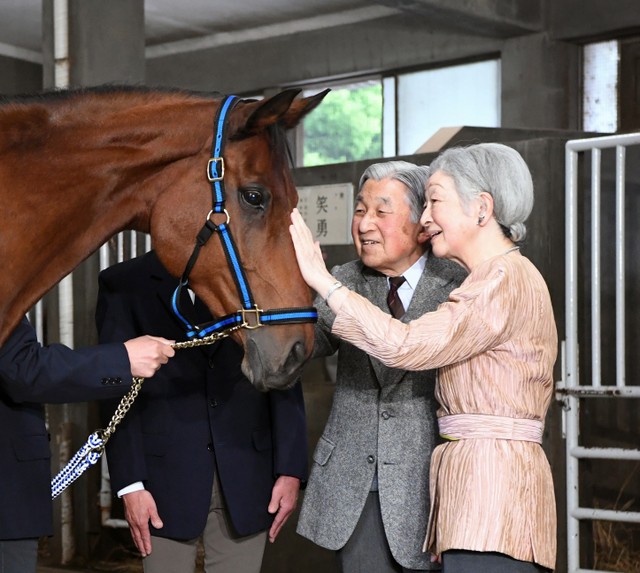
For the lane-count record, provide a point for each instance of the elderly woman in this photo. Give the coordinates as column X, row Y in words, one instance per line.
column 494, row 342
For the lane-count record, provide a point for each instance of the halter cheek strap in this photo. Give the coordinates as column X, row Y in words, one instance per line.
column 250, row 315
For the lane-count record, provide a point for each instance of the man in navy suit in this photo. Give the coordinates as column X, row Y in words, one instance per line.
column 31, row 374
column 202, row 454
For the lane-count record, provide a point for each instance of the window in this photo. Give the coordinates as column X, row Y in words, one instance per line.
column 347, row 126
column 395, row 115
column 468, row 94
column 600, row 87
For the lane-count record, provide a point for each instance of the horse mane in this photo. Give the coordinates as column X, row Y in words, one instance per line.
column 276, row 133
column 59, row 95
column 37, row 122
column 26, row 119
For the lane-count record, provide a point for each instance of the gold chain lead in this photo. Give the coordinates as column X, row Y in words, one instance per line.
column 128, row 399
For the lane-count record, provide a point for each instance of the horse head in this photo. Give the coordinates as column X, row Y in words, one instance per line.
column 259, row 196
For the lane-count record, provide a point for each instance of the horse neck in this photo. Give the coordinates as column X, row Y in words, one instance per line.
column 81, row 171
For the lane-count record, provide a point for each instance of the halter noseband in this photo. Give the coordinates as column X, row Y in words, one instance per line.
column 250, row 315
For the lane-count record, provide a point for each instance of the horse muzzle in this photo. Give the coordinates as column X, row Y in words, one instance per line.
column 274, row 362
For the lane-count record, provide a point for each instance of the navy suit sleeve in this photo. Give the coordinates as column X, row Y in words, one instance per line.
column 30, row 372
column 290, row 431
column 125, row 452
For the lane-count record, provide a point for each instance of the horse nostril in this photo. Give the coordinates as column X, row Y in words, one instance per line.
column 300, row 350
column 296, row 357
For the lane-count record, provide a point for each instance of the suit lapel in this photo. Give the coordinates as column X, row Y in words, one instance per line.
column 428, row 294
column 375, row 288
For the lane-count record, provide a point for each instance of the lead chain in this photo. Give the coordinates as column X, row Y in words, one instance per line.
column 129, row 398
column 92, row 450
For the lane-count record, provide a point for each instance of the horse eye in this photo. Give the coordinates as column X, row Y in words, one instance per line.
column 252, row 196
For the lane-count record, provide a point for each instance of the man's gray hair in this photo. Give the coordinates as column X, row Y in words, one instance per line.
column 413, row 177
column 495, row 169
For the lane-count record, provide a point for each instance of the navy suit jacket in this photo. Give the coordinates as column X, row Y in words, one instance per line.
column 31, row 374
column 199, row 412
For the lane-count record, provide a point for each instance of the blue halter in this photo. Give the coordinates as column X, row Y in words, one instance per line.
column 249, row 316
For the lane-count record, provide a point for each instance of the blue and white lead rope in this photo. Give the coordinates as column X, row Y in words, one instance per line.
column 89, row 454
column 85, row 457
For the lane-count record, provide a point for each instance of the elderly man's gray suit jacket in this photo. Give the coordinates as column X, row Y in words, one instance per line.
column 381, row 417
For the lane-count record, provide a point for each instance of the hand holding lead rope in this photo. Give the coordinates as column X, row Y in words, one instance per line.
column 92, row 450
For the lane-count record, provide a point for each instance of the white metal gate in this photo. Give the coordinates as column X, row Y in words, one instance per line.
column 574, row 387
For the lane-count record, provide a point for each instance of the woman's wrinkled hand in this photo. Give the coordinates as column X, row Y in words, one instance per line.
column 309, row 255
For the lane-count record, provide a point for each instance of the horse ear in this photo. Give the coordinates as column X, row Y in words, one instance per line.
column 281, row 108
column 301, row 107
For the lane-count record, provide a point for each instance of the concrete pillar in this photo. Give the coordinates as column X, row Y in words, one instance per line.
column 540, row 83
column 18, row 76
column 106, row 45
column 106, row 42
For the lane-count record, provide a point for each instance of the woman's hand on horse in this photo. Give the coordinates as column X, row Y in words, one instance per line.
column 147, row 354
column 309, row 255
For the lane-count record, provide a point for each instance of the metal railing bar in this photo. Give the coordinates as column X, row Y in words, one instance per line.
column 594, row 571
column 601, row 392
column 571, row 267
column 620, row 267
column 604, row 142
column 596, row 268
column 582, row 452
column 591, row 513
column 570, row 375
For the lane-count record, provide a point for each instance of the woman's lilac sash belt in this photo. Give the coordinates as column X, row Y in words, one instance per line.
column 478, row 426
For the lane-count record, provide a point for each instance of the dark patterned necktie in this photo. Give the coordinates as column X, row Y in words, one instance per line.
column 393, row 300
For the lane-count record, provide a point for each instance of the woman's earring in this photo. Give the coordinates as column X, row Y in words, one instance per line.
column 480, row 219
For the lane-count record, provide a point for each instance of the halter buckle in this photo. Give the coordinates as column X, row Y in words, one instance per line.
column 254, row 312
column 212, row 166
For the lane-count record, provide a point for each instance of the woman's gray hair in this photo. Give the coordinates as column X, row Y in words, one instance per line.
column 413, row 177
column 495, row 169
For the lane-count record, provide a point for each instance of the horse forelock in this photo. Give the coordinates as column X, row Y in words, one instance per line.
column 279, row 145
column 281, row 154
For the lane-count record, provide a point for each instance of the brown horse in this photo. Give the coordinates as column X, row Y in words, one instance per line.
column 77, row 167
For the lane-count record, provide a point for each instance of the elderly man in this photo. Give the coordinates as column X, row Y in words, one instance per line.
column 368, row 493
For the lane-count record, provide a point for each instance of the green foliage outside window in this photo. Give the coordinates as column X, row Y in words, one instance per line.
column 346, row 126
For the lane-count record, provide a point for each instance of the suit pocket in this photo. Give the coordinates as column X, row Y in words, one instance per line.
column 29, row 448
column 323, row 451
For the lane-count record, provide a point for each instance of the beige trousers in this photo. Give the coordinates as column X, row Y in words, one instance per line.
column 224, row 552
